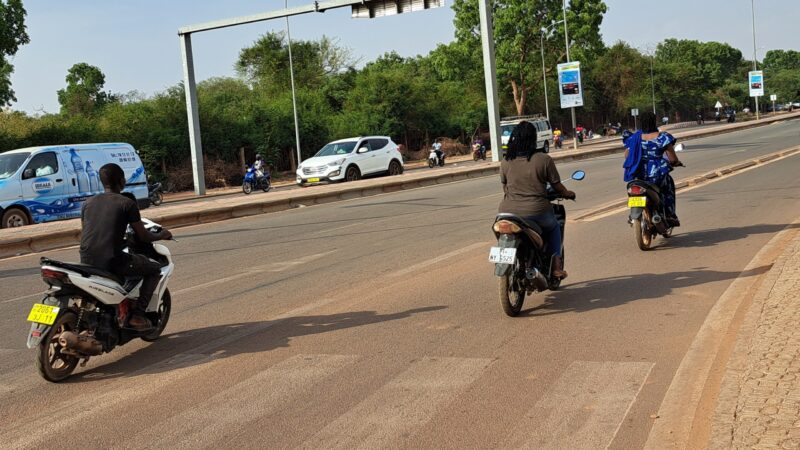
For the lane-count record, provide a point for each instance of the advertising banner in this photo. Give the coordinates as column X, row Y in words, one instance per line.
column 569, row 80
column 756, row 83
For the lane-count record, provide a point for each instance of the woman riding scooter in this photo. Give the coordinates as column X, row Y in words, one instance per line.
column 525, row 173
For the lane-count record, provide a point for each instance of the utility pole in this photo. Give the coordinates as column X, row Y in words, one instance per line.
column 294, row 93
column 755, row 57
column 490, row 77
column 566, row 39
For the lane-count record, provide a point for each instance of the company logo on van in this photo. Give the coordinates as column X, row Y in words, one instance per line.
column 42, row 185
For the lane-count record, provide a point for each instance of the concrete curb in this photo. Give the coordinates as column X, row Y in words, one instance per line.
column 12, row 244
column 674, row 427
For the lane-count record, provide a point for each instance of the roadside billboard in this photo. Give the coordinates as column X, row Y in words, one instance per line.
column 756, row 83
column 570, row 88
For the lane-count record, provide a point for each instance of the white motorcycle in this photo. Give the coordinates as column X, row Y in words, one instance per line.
column 85, row 311
column 433, row 157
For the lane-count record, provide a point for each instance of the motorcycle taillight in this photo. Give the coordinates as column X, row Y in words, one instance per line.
column 636, row 190
column 54, row 277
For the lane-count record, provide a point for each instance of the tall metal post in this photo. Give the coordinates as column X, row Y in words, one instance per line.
column 755, row 57
column 544, row 76
column 294, row 93
column 566, row 39
column 194, row 119
column 653, row 83
column 490, row 76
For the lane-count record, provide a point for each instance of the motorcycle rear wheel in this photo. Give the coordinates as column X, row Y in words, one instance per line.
column 510, row 300
column 266, row 185
column 161, row 317
column 52, row 365
column 247, row 187
column 643, row 236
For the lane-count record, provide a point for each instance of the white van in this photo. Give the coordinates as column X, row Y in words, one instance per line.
column 544, row 133
column 42, row 184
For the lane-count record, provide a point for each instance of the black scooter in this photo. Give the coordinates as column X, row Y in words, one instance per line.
column 520, row 258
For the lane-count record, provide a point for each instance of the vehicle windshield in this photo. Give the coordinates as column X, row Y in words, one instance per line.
column 507, row 130
column 10, row 163
column 339, row 148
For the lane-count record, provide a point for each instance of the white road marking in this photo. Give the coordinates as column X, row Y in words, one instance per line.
column 585, row 407
column 440, row 258
column 145, row 381
column 691, row 188
column 209, row 422
column 497, row 194
column 274, row 267
column 26, row 297
column 402, row 406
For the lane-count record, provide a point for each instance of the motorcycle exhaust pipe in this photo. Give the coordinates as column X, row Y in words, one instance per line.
column 539, row 281
column 81, row 343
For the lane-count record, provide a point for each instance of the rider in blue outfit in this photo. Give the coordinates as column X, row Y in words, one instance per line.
column 651, row 156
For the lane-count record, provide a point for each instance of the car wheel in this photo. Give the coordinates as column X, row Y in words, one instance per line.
column 395, row 168
column 546, row 147
column 352, row 174
column 15, row 217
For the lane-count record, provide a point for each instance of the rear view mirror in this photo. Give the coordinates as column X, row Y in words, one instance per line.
column 578, row 175
column 363, row 150
column 680, row 148
column 28, row 173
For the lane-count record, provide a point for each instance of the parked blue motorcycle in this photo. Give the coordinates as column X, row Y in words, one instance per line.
column 253, row 181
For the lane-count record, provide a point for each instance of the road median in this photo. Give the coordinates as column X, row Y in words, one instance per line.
column 62, row 234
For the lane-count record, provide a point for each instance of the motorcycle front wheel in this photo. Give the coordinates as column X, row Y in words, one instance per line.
column 430, row 163
column 160, row 317
column 247, row 187
column 53, row 365
column 156, row 198
column 510, row 298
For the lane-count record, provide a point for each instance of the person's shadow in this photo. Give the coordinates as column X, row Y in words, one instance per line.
column 192, row 347
column 616, row 291
column 709, row 238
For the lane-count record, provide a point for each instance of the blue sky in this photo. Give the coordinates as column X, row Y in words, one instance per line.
column 135, row 43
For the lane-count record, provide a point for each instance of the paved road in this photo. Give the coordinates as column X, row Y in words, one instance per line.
column 375, row 323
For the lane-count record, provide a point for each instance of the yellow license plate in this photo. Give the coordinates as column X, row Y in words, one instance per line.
column 44, row 314
column 637, row 202
column 313, row 180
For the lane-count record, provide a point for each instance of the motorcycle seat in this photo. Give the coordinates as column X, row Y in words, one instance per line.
column 83, row 269
column 532, row 229
column 647, row 185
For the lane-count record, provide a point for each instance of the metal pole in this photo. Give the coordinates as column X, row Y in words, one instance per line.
column 294, row 94
column 755, row 57
column 490, row 76
column 194, row 119
column 653, row 83
column 544, row 76
column 566, row 40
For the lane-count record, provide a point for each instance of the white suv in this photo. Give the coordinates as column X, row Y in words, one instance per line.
column 350, row 159
column 544, row 134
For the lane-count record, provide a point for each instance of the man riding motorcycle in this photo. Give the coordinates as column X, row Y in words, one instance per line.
column 525, row 173
column 104, row 219
column 259, row 166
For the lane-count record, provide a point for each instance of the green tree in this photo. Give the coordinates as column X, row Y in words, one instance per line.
column 517, row 28
column 83, row 94
column 13, row 34
column 776, row 60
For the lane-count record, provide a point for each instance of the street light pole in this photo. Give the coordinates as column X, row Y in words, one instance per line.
column 490, row 77
column 546, row 31
column 755, row 57
column 544, row 76
column 566, row 39
column 653, row 83
column 294, row 93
